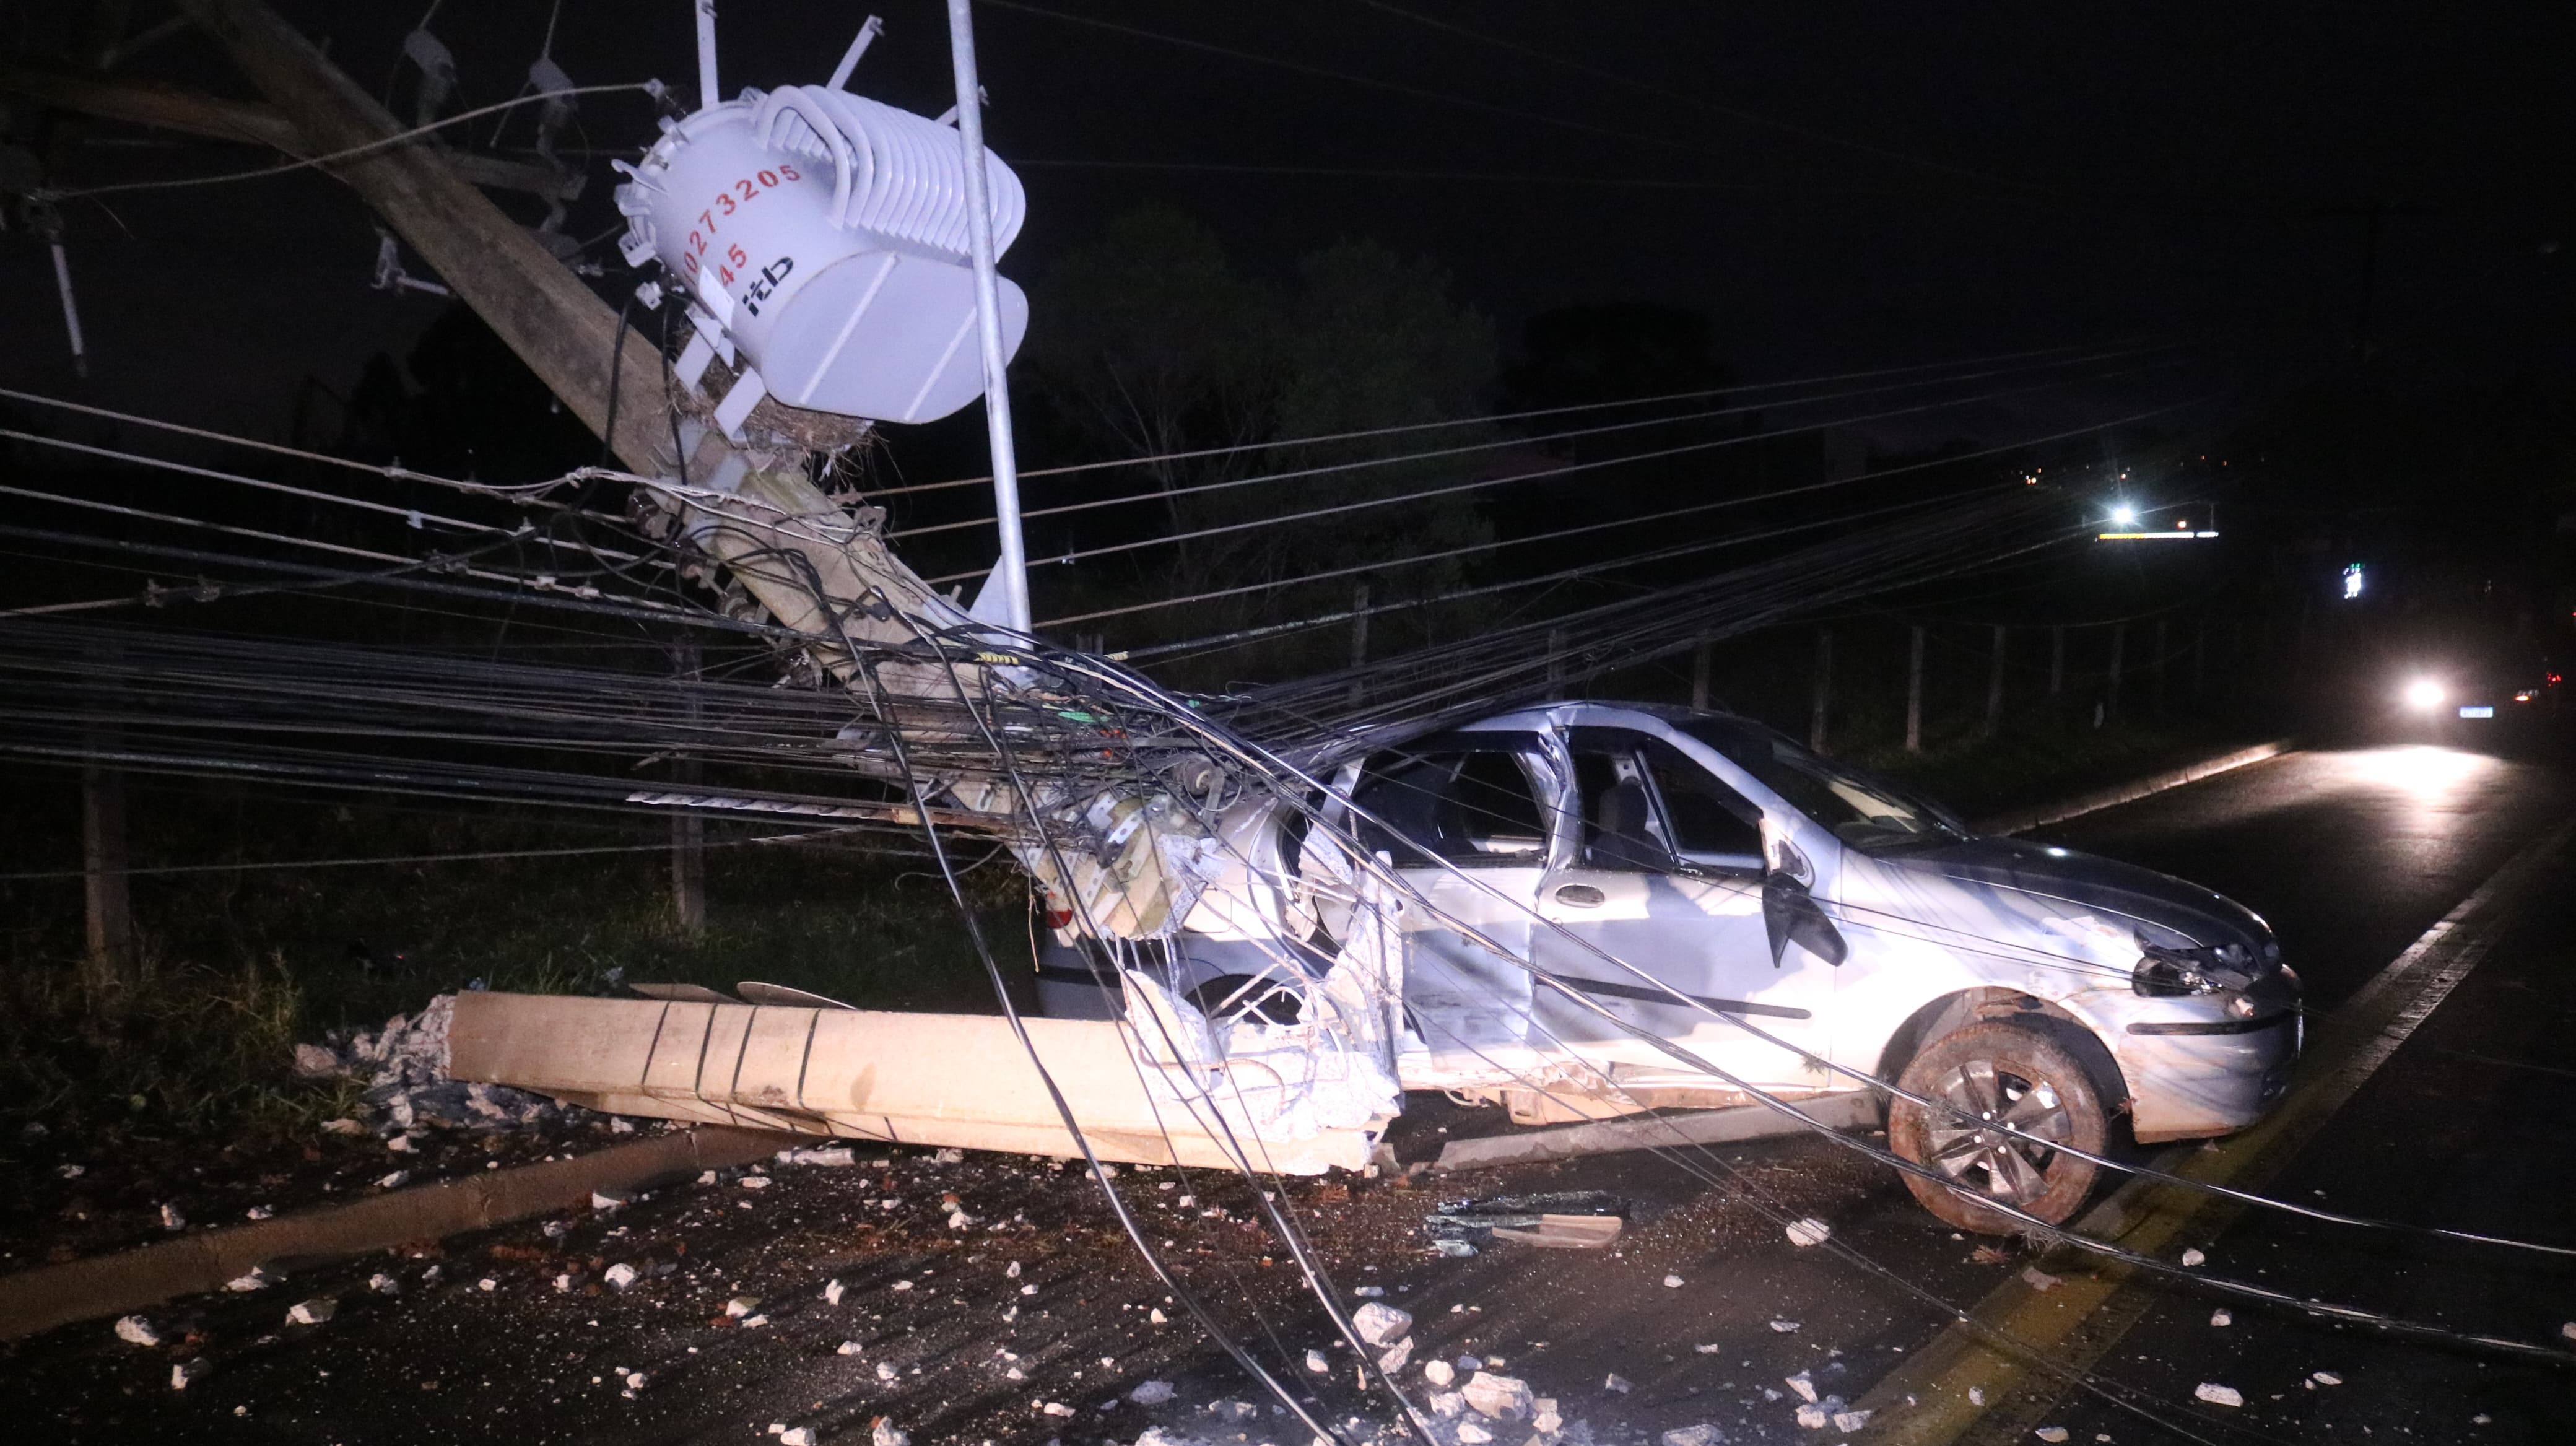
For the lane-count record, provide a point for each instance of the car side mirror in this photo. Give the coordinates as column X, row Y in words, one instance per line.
column 1791, row 915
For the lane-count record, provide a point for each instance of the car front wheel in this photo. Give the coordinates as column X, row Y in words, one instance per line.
column 1991, row 1074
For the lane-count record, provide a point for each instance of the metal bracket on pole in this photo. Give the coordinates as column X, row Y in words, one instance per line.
column 1013, row 569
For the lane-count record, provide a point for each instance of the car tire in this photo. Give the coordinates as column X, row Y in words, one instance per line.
column 1994, row 1069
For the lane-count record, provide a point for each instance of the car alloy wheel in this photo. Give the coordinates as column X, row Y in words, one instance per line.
column 1995, row 1074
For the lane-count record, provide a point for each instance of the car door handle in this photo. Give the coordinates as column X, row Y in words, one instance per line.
column 1581, row 896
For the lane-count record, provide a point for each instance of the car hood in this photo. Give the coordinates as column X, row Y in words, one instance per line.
column 2103, row 886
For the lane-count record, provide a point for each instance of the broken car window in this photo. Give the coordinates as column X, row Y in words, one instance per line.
column 1466, row 806
column 1620, row 827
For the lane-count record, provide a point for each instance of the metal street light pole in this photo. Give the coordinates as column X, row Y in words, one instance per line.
column 1014, row 566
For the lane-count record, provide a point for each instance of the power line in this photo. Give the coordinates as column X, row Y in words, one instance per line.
column 1565, row 469
column 1393, row 459
column 1488, row 418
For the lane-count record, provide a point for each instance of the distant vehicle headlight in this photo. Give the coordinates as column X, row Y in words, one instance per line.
column 2424, row 695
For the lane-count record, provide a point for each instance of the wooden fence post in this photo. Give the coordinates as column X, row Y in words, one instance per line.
column 1914, row 690
column 1824, row 695
column 1995, row 685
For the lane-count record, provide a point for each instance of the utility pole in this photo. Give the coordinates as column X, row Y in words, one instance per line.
column 1699, row 674
column 1013, row 569
column 1359, row 636
column 688, row 827
column 107, row 966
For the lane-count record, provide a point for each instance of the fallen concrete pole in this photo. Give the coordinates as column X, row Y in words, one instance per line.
column 106, row 1285
column 913, row 1079
column 1636, row 1132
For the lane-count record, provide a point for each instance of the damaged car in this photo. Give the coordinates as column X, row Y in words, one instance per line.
column 1607, row 908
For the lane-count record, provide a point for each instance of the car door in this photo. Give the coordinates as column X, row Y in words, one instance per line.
column 1663, row 872
column 1465, row 819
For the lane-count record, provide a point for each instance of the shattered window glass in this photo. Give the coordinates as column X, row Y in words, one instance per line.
column 1469, row 807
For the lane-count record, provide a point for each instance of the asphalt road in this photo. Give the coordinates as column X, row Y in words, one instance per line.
column 1701, row 1312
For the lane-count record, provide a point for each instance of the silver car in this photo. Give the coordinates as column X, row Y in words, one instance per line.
column 1822, row 927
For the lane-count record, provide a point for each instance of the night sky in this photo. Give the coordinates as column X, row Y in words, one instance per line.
column 1835, row 186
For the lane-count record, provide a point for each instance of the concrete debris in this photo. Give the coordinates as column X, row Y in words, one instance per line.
column 635, row 1380
column 831, row 1155
column 313, row 1061
column 1809, row 1231
column 1710, row 1349
column 2038, row 1279
column 71, row 1172
column 754, row 1182
column 881, row 1432
column 188, row 1372
column 400, row 1145
column 1852, row 1420
column 312, row 1312
column 1368, row 1292
column 957, row 1219
column 900, row 1285
column 886, row 1371
column 1702, row 1434
column 2193, row 1257
column 1502, row 1398
column 2326, row 1378
column 136, row 1330
column 1976, row 1396
column 171, row 1219
column 1439, row 1372
column 1672, row 1282
column 851, row 1348
column 259, row 1212
column 741, row 1305
column 1545, row 1419
column 947, row 1156
column 1394, row 1357
column 2051, row 1434
column 1805, row 1385
column 1380, row 1324
column 1784, row 1327
column 383, row 1284
column 1814, row 1417
column 1473, row 1434
column 754, row 1322
column 832, row 1292
column 797, row 1436
column 1152, row 1393
column 2221, row 1317
column 620, row 1275
column 1316, row 1362
column 1055, row 1408
column 1012, row 1271
column 1617, row 1383
column 1157, row 1436
column 2568, row 1330
column 394, row 1181
column 2218, row 1395
column 570, row 1281
column 1233, row 1410
column 1446, row 1404
column 256, row 1278
column 607, row 1200
column 1157, row 1317
column 343, row 1126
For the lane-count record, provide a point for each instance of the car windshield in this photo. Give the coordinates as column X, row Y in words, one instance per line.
column 1867, row 813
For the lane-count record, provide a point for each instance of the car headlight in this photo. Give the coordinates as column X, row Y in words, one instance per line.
column 2166, row 973
column 2240, row 1006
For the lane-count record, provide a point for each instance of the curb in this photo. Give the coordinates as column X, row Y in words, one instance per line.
column 2025, row 819
column 104, row 1285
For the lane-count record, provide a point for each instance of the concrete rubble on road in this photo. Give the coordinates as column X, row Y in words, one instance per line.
column 1809, row 1231
column 1152, row 1393
column 1380, row 1324
column 1702, row 1434
column 2193, row 1258
column 620, row 1275
column 136, row 1330
column 1501, row 1398
column 2218, row 1395
column 187, row 1372
column 1805, row 1385
column 255, row 1278
column 2053, row 1435
column 312, row 1312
